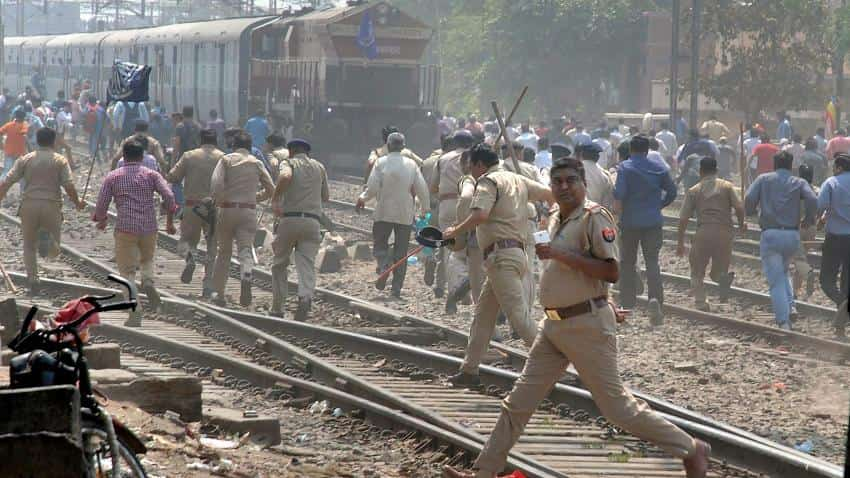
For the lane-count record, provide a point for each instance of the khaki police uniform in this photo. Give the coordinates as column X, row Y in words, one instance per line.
column 382, row 151
column 297, row 234
column 277, row 158
column 712, row 201
column 435, row 262
column 580, row 328
column 154, row 149
column 195, row 169
column 529, row 282
column 443, row 186
column 474, row 255
column 44, row 172
column 502, row 240
column 235, row 182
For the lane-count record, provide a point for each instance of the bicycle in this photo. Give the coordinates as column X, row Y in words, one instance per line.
column 55, row 356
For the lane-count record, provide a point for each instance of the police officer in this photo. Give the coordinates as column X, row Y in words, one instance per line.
column 276, row 152
column 444, row 182
column 433, row 262
column 43, row 171
column 712, row 200
column 382, row 151
column 297, row 201
column 600, row 186
column 196, row 169
column 580, row 328
column 154, row 148
column 500, row 218
column 235, row 184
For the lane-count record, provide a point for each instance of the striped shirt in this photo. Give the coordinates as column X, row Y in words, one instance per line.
column 132, row 187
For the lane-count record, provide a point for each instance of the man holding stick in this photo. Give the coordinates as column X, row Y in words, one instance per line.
column 44, row 172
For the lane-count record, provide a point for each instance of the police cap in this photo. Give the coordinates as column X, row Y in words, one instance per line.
column 299, row 143
column 560, row 150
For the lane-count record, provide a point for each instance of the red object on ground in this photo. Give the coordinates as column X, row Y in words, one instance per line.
column 515, row 474
column 72, row 310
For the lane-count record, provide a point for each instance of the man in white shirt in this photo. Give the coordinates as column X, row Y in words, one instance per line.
column 796, row 148
column 393, row 179
column 751, row 142
column 528, row 138
column 600, row 186
column 667, row 137
column 543, row 158
column 606, row 156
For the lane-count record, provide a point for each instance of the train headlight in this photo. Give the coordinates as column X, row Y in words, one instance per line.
column 330, row 110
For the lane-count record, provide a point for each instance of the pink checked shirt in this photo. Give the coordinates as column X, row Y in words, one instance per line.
column 132, row 187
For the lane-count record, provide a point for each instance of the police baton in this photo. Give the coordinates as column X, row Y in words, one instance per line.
column 399, row 263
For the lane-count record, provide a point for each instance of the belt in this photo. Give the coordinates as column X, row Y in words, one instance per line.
column 782, row 228
column 503, row 244
column 447, row 196
column 302, row 214
column 575, row 310
column 237, row 205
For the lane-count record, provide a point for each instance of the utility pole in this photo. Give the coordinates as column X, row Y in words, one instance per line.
column 838, row 71
column 674, row 67
column 695, row 31
column 19, row 28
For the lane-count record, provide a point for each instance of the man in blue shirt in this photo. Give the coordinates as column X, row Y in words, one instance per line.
column 258, row 127
column 784, row 130
column 834, row 200
column 643, row 188
column 778, row 197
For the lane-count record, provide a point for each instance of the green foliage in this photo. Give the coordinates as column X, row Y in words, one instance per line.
column 772, row 54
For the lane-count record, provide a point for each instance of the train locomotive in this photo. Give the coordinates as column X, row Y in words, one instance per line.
column 313, row 68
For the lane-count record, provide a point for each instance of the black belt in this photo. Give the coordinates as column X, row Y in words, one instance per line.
column 782, row 228
column 503, row 244
column 563, row 313
column 302, row 214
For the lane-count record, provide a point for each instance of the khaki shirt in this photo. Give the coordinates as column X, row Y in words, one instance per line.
column 44, row 172
column 506, row 196
column 154, row 148
column 589, row 231
column 428, row 168
column 307, row 186
column 531, row 172
column 715, row 129
column 276, row 159
column 447, row 174
column 712, row 200
column 237, row 178
column 197, row 167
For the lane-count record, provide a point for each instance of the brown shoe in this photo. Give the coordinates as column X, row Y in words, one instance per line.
column 696, row 466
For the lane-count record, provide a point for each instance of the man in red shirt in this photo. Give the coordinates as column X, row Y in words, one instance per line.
column 839, row 144
column 15, row 146
column 762, row 157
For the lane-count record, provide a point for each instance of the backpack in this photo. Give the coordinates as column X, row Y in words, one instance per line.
column 90, row 120
column 131, row 114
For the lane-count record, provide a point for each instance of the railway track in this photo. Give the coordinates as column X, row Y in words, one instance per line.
column 351, row 367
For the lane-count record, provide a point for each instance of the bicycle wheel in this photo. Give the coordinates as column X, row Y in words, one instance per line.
column 99, row 454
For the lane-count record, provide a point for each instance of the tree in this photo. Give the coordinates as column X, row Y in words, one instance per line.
column 771, row 54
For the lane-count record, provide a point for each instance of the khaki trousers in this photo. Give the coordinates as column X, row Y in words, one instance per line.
column 475, row 261
column 239, row 225
column 297, row 239
column 39, row 215
column 712, row 242
column 133, row 251
column 503, row 289
column 589, row 341
column 191, row 227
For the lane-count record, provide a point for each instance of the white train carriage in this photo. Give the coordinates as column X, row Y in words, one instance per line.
column 33, row 57
column 14, row 77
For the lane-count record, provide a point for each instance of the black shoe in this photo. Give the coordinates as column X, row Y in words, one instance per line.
column 451, row 306
column 245, row 293
column 439, row 293
column 464, row 379
column 303, row 309
column 43, row 244
column 810, row 284
column 189, row 270
column 153, row 295
column 430, row 268
column 725, row 285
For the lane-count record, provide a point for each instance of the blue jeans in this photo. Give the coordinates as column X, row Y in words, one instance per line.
column 777, row 248
column 177, row 190
column 8, row 162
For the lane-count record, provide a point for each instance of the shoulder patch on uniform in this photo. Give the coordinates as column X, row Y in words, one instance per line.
column 608, row 234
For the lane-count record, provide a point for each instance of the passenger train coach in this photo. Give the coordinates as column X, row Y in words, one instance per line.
column 307, row 67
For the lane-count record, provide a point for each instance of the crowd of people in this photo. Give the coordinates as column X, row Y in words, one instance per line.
column 555, row 214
